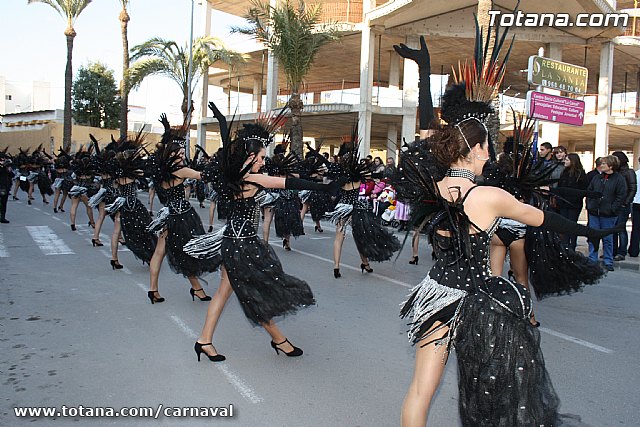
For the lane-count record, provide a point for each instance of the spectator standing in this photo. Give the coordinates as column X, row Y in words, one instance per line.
column 377, row 169
column 574, row 177
column 6, row 175
column 557, row 162
column 634, row 243
column 545, row 153
column 603, row 212
column 621, row 239
column 390, row 169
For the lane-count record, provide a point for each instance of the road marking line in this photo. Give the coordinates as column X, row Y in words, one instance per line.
column 577, row 341
column 348, row 267
column 240, row 385
column 36, row 208
column 619, row 288
column 4, row 253
column 48, row 242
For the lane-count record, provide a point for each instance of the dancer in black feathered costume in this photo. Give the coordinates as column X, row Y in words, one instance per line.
column 373, row 241
column 286, row 208
column 62, row 179
column 249, row 266
column 42, row 161
column 130, row 215
column 177, row 222
column 538, row 256
column 318, row 203
column 501, row 374
column 84, row 186
column 104, row 163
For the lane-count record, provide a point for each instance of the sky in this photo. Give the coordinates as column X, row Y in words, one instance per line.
column 34, row 44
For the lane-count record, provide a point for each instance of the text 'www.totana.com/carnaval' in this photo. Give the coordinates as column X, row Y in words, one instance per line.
column 81, row 411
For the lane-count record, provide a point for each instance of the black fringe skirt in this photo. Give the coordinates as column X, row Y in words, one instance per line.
column 264, row 290
column 372, row 239
column 286, row 216
column 134, row 218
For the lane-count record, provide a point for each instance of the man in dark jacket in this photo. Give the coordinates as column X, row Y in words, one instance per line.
column 5, row 185
column 603, row 212
column 621, row 239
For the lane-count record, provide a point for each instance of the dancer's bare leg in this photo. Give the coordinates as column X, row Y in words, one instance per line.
column 266, row 224
column 430, row 363
column 277, row 336
column 85, row 199
column 337, row 245
column 212, row 209
column 520, row 268
column 415, row 244
column 102, row 214
column 497, row 254
column 115, row 236
column 214, row 312
column 74, row 209
column 156, row 262
column 65, row 194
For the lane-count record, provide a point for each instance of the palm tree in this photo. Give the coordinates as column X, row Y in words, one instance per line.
column 124, row 87
column 158, row 56
column 294, row 35
column 69, row 10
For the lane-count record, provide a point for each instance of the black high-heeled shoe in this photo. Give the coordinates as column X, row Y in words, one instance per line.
column 318, row 229
column 61, row 209
column 193, row 295
column 210, row 229
column 29, row 201
column 15, row 198
column 96, row 242
column 215, row 358
column 293, row 353
column 285, row 245
column 45, row 202
column 55, row 210
column 115, row 265
column 414, row 260
column 92, row 224
column 154, row 299
column 336, row 273
column 73, row 227
column 366, row 267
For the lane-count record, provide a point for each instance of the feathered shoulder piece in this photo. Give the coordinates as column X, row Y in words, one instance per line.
column 103, row 158
column 4, row 154
column 349, row 163
column 283, row 163
column 62, row 160
column 129, row 160
column 176, row 134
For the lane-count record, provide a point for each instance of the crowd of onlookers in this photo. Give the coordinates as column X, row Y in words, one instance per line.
column 617, row 185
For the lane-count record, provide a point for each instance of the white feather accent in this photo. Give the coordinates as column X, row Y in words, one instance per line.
column 304, row 195
column 205, row 246
column 160, row 221
column 58, row 183
column 97, row 198
column 341, row 211
column 116, row 205
column 77, row 190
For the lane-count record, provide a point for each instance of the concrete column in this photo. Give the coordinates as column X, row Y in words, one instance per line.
column 571, row 146
column 257, row 95
column 271, row 101
column 392, row 142
column 394, row 70
column 367, row 50
column 604, row 99
column 636, row 153
column 410, row 94
column 551, row 131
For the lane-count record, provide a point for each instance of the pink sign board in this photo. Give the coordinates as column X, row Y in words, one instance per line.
column 553, row 108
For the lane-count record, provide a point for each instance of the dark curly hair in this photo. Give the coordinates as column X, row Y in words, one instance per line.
column 453, row 143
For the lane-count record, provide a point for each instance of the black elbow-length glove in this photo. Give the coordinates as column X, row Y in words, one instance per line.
column 556, row 222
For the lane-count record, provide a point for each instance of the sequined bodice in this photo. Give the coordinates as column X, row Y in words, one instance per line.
column 175, row 199
column 128, row 190
column 85, row 182
column 243, row 218
column 462, row 273
column 107, row 184
column 352, row 197
column 288, row 194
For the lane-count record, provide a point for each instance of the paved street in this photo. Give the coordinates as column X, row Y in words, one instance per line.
column 75, row 332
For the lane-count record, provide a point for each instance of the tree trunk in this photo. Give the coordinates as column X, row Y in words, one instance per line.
column 124, row 85
column 68, row 84
column 295, row 105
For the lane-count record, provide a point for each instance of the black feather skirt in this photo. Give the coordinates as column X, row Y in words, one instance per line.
column 554, row 268
column 502, row 377
column 44, row 184
column 264, row 290
column 201, row 190
column 180, row 229
column 287, row 215
column 134, row 218
column 372, row 239
column 319, row 204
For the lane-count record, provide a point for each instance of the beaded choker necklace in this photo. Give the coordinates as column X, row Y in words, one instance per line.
column 461, row 173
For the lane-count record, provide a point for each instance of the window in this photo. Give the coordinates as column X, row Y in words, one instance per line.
column 7, row 97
